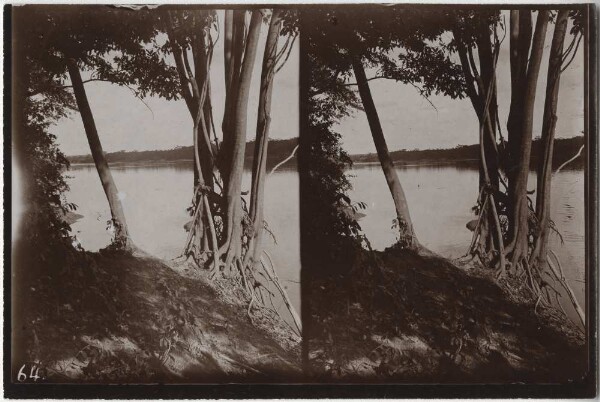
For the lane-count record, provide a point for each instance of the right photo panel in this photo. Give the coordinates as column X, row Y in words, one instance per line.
column 444, row 159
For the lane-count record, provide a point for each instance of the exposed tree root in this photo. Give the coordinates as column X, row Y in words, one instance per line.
column 563, row 281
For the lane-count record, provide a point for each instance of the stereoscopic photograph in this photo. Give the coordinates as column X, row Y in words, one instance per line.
column 445, row 194
column 158, row 209
column 394, row 194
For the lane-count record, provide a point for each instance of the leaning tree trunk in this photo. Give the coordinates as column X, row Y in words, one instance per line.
column 236, row 143
column 387, row 165
column 110, row 189
column 544, row 168
column 518, row 216
column 259, row 166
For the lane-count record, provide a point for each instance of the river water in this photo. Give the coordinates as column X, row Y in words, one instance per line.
column 155, row 198
column 440, row 199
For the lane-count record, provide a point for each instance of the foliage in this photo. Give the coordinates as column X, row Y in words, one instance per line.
column 403, row 44
column 333, row 232
column 403, row 239
column 112, row 44
column 41, row 163
column 43, row 225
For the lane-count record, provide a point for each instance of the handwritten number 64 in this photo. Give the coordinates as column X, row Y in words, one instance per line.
column 33, row 374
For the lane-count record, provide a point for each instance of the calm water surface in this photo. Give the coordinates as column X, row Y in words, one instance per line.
column 155, row 202
column 440, row 200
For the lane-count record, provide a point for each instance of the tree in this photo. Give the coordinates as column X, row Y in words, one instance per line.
column 122, row 238
column 225, row 231
column 189, row 34
column 261, row 145
column 526, row 227
column 475, row 32
column 558, row 62
column 387, row 165
column 234, row 142
column 544, row 167
column 44, row 241
column 113, row 46
column 524, row 74
column 192, row 30
column 396, row 40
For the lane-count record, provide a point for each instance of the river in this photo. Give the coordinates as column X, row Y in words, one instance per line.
column 155, row 198
column 441, row 198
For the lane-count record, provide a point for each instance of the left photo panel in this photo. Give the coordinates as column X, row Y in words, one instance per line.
column 155, row 202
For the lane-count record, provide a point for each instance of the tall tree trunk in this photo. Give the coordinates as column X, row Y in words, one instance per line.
column 235, row 25
column 228, row 46
column 477, row 87
column 520, row 40
column 202, row 55
column 237, row 142
column 110, row 189
column 518, row 217
column 259, row 166
column 544, row 168
column 387, row 165
column 488, row 78
column 487, row 63
column 195, row 90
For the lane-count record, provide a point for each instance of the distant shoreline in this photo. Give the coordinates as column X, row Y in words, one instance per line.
column 135, row 163
column 279, row 150
column 419, row 163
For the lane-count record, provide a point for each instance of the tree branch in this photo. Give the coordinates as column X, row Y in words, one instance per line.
column 570, row 160
column 474, row 96
column 284, row 161
column 574, row 53
column 59, row 87
column 179, row 62
column 289, row 52
column 377, row 77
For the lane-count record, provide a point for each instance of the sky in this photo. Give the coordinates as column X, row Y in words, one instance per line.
column 126, row 123
column 408, row 120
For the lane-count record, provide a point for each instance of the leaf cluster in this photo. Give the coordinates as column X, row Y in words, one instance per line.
column 113, row 44
column 404, row 44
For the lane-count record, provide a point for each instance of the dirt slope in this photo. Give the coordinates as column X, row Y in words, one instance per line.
column 423, row 319
column 136, row 319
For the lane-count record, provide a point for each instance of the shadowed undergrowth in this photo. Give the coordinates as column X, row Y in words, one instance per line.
column 135, row 319
column 420, row 318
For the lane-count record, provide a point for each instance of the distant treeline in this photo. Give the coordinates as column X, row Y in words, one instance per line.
column 278, row 151
column 564, row 149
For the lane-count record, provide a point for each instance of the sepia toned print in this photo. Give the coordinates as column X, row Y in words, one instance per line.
column 286, row 200
column 443, row 198
column 181, row 263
